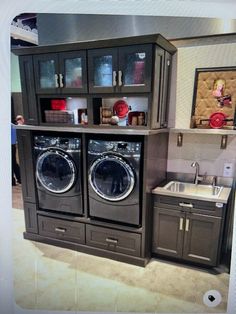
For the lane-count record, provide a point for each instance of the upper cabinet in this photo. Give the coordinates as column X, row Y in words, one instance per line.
column 119, row 82
column 123, row 69
column 57, row 73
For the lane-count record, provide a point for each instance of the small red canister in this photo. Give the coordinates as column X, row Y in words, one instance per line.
column 58, row 104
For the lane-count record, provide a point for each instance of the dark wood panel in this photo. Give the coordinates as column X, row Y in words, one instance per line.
column 28, row 90
column 31, row 222
column 26, row 165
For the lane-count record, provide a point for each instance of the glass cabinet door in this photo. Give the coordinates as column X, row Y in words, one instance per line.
column 135, row 68
column 46, row 73
column 73, row 72
column 102, row 70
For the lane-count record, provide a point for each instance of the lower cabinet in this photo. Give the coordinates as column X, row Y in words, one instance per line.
column 189, row 236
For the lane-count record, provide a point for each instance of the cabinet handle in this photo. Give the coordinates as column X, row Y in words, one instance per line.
column 120, row 78
column 181, row 221
column 62, row 230
column 61, row 80
column 187, row 225
column 56, row 80
column 113, row 241
column 189, row 205
column 114, row 78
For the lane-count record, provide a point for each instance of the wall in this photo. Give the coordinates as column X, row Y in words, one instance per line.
column 197, row 147
column 15, row 74
column 202, row 148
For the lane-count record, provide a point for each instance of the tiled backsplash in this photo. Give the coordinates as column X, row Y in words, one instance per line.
column 203, row 148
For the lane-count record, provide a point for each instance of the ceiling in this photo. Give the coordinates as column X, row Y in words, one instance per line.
column 24, row 30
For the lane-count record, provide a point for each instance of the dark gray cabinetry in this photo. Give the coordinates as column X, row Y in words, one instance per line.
column 31, row 221
column 26, row 165
column 61, row 73
column 190, row 230
column 28, row 90
column 27, row 180
column 121, row 69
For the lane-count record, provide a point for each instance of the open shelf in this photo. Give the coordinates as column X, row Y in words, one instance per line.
column 63, row 110
column 120, row 111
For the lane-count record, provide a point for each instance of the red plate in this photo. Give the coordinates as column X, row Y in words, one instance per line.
column 121, row 108
column 217, row 120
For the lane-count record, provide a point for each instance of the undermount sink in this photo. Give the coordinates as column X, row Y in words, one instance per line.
column 193, row 189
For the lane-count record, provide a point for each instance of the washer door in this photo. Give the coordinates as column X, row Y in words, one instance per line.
column 111, row 178
column 56, row 171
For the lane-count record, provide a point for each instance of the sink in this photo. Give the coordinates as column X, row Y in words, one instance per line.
column 193, row 189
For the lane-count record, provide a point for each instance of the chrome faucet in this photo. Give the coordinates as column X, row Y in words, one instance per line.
column 197, row 178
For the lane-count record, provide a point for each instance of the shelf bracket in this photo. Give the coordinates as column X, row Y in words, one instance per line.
column 180, row 139
column 224, row 139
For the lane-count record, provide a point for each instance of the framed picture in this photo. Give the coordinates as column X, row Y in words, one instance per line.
column 214, row 98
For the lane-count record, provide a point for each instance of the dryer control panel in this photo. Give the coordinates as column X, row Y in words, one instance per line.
column 64, row 143
column 99, row 146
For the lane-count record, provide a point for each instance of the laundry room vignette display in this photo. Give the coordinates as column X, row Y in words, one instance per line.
column 88, row 150
column 214, row 98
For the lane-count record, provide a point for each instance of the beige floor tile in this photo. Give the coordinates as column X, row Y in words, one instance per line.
column 47, row 277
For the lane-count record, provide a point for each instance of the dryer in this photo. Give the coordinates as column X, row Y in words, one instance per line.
column 114, row 180
column 58, row 173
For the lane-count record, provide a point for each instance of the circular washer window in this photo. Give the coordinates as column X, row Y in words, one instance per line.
column 56, row 171
column 111, row 178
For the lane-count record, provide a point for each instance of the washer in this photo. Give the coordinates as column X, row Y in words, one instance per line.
column 114, row 183
column 58, row 173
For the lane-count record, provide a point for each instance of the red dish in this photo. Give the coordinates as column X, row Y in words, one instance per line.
column 217, row 120
column 58, row 104
column 121, row 108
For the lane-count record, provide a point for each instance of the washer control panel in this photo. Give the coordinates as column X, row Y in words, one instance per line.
column 65, row 143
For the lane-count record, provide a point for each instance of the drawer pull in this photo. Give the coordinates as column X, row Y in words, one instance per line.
column 187, row 225
column 189, row 205
column 181, row 221
column 113, row 241
column 62, row 230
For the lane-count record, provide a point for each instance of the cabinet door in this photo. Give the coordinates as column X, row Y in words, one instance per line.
column 202, row 238
column 168, row 232
column 102, row 66
column 26, row 165
column 135, row 64
column 28, row 90
column 46, row 70
column 73, row 72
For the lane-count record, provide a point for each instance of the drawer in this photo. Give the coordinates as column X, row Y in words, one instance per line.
column 189, row 205
column 113, row 240
column 61, row 229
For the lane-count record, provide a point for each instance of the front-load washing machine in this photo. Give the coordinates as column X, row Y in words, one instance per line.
column 114, row 180
column 58, row 173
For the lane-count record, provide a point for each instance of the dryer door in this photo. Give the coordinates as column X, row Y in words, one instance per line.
column 112, row 178
column 56, row 171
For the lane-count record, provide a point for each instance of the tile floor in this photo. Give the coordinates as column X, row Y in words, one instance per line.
column 52, row 278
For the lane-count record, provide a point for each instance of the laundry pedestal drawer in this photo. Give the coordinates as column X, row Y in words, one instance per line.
column 113, row 240
column 61, row 229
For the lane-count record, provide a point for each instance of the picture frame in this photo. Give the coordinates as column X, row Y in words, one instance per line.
column 214, row 98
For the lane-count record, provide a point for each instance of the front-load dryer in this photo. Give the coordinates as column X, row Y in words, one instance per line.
column 58, row 173
column 114, row 180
